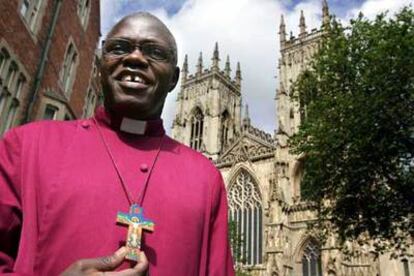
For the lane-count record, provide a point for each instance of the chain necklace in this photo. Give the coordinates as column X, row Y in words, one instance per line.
column 134, row 219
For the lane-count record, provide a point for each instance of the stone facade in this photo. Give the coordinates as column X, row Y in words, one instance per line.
column 262, row 178
column 48, row 60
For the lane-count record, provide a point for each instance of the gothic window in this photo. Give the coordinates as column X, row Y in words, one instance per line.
column 406, row 267
column 225, row 126
column 29, row 10
column 68, row 69
column 13, row 107
column 50, row 112
column 245, row 209
column 90, row 103
column 311, row 260
column 4, row 57
column 197, row 124
column 12, row 82
column 84, row 7
column 7, row 89
column 10, row 76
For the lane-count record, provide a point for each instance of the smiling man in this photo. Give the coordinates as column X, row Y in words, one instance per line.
column 71, row 192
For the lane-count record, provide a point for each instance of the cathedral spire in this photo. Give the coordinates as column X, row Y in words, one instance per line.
column 282, row 30
column 184, row 70
column 238, row 74
column 246, row 118
column 216, row 57
column 302, row 25
column 227, row 69
column 325, row 14
column 200, row 64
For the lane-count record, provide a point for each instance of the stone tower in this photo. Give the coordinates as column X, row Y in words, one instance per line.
column 208, row 114
column 296, row 53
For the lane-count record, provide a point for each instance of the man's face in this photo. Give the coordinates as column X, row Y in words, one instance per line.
column 138, row 68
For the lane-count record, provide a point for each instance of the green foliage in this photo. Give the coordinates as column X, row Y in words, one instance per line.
column 357, row 131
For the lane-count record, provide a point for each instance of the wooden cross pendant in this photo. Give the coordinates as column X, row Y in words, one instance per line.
column 136, row 222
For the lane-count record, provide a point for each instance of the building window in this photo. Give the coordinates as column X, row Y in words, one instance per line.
column 406, row 267
column 7, row 89
column 84, row 7
column 15, row 103
column 197, row 124
column 311, row 260
column 225, row 126
column 90, row 103
column 10, row 76
column 69, row 69
column 51, row 112
column 29, row 10
column 4, row 57
column 245, row 209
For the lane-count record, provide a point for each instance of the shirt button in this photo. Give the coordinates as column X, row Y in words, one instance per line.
column 143, row 167
column 85, row 124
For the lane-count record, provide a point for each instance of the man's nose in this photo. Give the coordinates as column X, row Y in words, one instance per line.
column 136, row 59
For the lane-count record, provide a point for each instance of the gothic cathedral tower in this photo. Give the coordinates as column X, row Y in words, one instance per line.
column 208, row 107
column 296, row 54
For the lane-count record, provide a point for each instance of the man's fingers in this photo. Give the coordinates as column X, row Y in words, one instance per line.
column 139, row 269
column 142, row 264
column 106, row 263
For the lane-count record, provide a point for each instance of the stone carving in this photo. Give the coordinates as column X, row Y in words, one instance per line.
column 244, row 150
column 273, row 267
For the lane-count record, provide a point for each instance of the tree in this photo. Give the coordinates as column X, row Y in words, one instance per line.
column 357, row 130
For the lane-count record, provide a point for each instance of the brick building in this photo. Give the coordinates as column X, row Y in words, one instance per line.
column 48, row 60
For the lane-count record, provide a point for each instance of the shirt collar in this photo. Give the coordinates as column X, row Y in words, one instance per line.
column 128, row 125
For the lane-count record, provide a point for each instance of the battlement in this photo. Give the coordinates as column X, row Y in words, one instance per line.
column 213, row 71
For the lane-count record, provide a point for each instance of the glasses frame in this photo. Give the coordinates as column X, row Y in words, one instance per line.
column 169, row 53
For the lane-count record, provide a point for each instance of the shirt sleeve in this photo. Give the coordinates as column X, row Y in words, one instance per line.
column 220, row 261
column 10, row 204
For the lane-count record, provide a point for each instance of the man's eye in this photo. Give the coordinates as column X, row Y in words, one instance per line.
column 118, row 49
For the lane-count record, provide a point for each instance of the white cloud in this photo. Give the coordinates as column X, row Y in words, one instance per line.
column 371, row 8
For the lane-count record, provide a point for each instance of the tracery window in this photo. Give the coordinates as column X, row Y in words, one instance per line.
column 197, row 125
column 245, row 209
column 311, row 260
column 15, row 102
column 12, row 83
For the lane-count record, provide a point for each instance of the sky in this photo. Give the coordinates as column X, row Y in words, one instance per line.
column 247, row 31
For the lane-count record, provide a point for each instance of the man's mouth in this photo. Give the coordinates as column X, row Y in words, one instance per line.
column 133, row 82
column 130, row 78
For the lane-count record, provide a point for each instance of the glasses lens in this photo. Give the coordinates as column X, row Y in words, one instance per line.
column 155, row 52
column 118, row 47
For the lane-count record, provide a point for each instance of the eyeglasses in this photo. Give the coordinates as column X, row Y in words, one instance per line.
column 119, row 47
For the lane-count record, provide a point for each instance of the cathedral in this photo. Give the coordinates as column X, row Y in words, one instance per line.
column 262, row 178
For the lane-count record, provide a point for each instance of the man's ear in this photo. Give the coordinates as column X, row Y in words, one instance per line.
column 174, row 79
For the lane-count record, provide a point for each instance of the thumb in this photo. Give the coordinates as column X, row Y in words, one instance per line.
column 106, row 263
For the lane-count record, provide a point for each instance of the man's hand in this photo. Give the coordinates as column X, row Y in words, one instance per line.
column 106, row 266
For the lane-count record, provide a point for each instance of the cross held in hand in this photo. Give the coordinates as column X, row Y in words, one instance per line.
column 136, row 222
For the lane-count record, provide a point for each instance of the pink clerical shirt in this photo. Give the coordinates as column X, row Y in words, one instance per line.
column 60, row 194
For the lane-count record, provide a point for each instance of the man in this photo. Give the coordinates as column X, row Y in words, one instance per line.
column 63, row 185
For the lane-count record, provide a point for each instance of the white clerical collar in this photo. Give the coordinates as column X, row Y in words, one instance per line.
column 133, row 126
